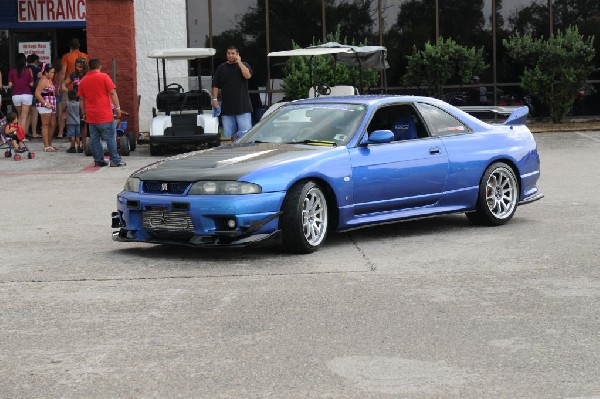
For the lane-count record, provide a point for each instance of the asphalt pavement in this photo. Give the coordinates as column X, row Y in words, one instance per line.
column 435, row 308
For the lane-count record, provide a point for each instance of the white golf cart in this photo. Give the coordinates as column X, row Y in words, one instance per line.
column 373, row 57
column 183, row 116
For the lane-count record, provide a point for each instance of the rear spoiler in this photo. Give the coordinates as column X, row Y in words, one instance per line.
column 517, row 114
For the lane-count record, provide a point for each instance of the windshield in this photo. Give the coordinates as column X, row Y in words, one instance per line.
column 317, row 124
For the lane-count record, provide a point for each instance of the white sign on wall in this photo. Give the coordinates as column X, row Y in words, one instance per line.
column 42, row 49
column 51, row 10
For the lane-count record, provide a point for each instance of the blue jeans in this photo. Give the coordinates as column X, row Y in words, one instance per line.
column 108, row 132
column 235, row 123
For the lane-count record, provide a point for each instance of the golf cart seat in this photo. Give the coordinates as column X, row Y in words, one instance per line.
column 172, row 100
column 343, row 91
column 335, row 91
column 169, row 100
column 196, row 100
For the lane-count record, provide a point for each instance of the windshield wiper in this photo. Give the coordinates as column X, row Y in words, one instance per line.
column 314, row 142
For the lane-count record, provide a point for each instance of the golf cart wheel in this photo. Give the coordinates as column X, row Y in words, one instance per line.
column 124, row 148
column 31, row 155
column 88, row 149
column 156, row 150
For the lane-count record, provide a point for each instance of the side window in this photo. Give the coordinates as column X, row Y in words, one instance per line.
column 440, row 122
column 400, row 119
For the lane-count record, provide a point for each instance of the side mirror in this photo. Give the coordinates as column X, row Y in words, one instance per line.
column 378, row 137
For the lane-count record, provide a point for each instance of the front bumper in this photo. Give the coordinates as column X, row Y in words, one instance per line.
column 198, row 220
column 531, row 198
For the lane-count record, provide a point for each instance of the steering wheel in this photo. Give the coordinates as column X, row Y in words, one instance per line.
column 177, row 87
column 321, row 89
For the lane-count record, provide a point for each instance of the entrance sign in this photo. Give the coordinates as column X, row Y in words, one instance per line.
column 51, row 10
column 42, row 49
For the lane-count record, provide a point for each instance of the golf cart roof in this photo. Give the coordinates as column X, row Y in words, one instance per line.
column 182, row 53
column 365, row 56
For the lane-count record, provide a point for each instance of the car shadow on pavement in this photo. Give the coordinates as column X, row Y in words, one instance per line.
column 335, row 241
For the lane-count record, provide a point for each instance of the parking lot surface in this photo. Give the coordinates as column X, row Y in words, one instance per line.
column 419, row 309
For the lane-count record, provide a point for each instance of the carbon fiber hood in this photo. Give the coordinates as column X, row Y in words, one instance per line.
column 224, row 163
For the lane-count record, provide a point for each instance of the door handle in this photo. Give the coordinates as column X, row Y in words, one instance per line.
column 435, row 150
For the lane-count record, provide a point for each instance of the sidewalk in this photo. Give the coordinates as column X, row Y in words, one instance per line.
column 62, row 162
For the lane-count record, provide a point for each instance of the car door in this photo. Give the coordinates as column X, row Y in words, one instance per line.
column 398, row 175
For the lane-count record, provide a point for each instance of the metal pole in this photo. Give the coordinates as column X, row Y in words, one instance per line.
column 437, row 20
column 210, row 37
column 382, row 76
column 551, row 18
column 268, row 47
column 380, row 22
column 494, row 52
column 324, row 23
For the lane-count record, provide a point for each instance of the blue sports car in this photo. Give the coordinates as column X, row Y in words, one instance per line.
column 333, row 164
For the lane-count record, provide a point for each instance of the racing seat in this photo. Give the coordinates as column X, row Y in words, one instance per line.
column 404, row 128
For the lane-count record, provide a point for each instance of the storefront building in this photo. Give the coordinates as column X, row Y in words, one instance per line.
column 105, row 29
column 121, row 33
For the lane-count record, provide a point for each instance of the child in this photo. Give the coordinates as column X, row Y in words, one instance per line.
column 15, row 132
column 73, row 122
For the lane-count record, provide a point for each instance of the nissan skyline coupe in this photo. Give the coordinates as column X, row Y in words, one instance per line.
column 327, row 164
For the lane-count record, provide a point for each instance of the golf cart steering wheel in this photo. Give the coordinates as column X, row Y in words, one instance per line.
column 321, row 89
column 177, row 87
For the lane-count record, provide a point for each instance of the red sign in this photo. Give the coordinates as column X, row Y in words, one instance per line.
column 51, row 10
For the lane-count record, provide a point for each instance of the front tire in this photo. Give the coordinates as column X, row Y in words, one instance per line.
column 498, row 196
column 304, row 220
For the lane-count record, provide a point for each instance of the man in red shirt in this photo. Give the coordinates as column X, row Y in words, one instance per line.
column 97, row 97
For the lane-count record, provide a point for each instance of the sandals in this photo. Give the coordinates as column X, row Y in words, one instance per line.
column 50, row 149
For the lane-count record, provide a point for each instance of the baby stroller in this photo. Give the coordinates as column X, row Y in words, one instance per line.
column 6, row 143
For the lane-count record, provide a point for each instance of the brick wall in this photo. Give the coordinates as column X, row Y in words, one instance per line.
column 111, row 38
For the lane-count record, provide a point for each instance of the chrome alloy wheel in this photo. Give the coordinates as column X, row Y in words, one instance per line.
column 314, row 216
column 501, row 193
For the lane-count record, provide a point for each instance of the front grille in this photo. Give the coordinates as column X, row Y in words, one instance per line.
column 166, row 221
column 165, row 187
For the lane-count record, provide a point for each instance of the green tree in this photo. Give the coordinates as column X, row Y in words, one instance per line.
column 555, row 69
column 297, row 71
column 415, row 25
column 443, row 62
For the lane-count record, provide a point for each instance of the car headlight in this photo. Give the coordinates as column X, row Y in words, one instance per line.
column 132, row 184
column 224, row 187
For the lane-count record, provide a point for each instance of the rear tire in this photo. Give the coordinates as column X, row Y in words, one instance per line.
column 304, row 218
column 132, row 141
column 498, row 196
column 124, row 148
column 88, row 149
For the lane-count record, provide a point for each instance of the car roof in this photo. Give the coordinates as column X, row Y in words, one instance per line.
column 374, row 101
column 370, row 99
